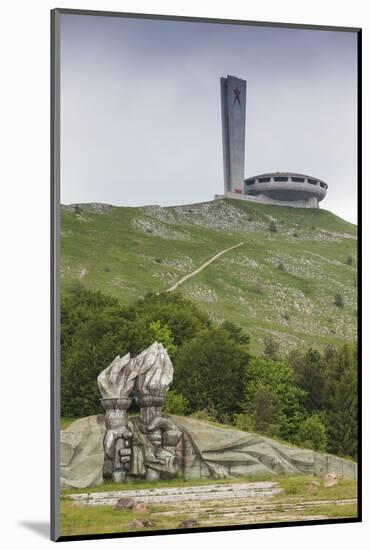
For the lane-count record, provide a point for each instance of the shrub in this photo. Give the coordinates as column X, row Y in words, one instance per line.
column 339, row 302
column 236, row 333
column 257, row 288
column 205, row 414
column 175, row 403
column 273, row 227
column 349, row 260
column 243, row 422
column 271, row 347
column 163, row 335
column 312, row 433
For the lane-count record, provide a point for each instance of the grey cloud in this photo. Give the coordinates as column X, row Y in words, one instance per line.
column 141, row 108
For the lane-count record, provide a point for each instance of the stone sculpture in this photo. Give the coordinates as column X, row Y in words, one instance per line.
column 154, row 445
column 147, row 378
column 116, row 383
column 155, row 374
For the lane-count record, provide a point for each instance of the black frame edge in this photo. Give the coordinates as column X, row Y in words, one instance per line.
column 248, row 527
column 54, row 280
column 359, row 268
column 196, row 19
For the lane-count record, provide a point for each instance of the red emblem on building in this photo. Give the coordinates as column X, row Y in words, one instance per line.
column 236, row 92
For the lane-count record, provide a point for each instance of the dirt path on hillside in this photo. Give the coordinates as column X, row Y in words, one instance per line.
column 196, row 271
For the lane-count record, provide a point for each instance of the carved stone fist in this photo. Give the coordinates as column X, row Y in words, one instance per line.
column 111, row 438
column 125, row 455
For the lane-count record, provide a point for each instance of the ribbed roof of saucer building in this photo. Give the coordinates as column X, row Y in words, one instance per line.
column 286, row 188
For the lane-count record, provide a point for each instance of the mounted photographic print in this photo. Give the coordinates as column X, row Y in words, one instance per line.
column 205, row 190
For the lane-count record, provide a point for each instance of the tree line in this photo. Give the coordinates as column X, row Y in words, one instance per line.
column 308, row 398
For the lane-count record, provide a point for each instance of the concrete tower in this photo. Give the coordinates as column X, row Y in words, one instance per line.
column 233, row 95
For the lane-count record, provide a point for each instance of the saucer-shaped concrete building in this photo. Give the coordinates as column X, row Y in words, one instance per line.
column 285, row 188
column 281, row 188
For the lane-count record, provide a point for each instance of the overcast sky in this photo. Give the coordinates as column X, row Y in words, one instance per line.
column 140, row 108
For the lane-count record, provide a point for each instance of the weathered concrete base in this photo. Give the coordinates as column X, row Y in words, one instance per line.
column 311, row 202
column 182, row 494
column 210, row 452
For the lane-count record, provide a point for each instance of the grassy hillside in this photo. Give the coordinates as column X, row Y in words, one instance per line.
column 281, row 284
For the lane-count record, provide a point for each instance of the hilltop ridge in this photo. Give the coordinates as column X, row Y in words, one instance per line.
column 280, row 282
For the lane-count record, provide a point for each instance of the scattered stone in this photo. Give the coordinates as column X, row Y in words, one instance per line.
column 158, row 229
column 332, row 479
column 92, row 207
column 140, row 523
column 125, row 503
column 313, row 485
column 137, row 524
column 139, row 507
column 203, row 293
column 148, row 523
column 187, row 523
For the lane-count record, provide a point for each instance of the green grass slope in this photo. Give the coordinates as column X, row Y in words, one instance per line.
column 280, row 284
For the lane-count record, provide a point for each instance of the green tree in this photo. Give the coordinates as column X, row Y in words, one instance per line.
column 181, row 316
column 95, row 329
column 272, row 382
column 236, row 333
column 264, row 407
column 341, row 393
column 163, row 335
column 312, row 433
column 309, row 375
column 210, row 371
column 271, row 347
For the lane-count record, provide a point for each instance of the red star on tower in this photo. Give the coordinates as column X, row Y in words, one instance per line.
column 236, row 95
